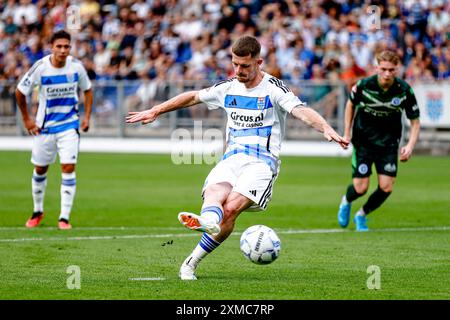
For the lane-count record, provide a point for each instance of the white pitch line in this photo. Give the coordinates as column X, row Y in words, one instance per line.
column 132, row 236
column 147, row 279
column 91, row 228
column 319, row 231
column 281, row 230
column 194, row 234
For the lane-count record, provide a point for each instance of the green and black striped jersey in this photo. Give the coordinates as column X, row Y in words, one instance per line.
column 378, row 112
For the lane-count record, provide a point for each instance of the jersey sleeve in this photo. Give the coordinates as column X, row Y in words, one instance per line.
column 285, row 98
column 31, row 79
column 83, row 80
column 355, row 94
column 412, row 108
column 212, row 96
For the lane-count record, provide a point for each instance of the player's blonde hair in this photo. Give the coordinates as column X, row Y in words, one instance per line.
column 389, row 56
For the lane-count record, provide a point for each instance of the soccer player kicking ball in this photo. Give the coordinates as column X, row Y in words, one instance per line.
column 256, row 105
column 55, row 129
column 375, row 108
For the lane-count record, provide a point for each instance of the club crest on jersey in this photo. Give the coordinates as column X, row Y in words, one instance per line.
column 396, row 101
column 70, row 77
column 261, row 103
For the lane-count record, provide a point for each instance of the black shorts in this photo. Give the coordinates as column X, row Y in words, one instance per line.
column 386, row 162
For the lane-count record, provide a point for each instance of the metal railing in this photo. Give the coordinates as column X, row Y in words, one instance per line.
column 114, row 99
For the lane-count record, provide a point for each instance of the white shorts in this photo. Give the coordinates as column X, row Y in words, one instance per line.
column 45, row 147
column 248, row 176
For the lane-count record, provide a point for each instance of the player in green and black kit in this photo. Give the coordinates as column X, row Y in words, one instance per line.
column 375, row 109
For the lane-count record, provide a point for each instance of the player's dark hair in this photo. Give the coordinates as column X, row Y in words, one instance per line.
column 389, row 56
column 246, row 45
column 61, row 34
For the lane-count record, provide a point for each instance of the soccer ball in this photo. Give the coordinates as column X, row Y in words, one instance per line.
column 260, row 244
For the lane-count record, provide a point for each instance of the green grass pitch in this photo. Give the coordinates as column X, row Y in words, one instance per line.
column 125, row 214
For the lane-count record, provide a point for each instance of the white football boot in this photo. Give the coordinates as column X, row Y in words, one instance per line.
column 187, row 269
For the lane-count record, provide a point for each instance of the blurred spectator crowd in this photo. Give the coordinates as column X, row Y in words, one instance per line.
column 190, row 39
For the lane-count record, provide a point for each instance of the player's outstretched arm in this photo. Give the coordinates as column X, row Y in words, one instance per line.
column 182, row 100
column 315, row 120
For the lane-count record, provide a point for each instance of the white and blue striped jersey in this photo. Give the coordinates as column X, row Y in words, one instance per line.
column 256, row 116
column 58, row 93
